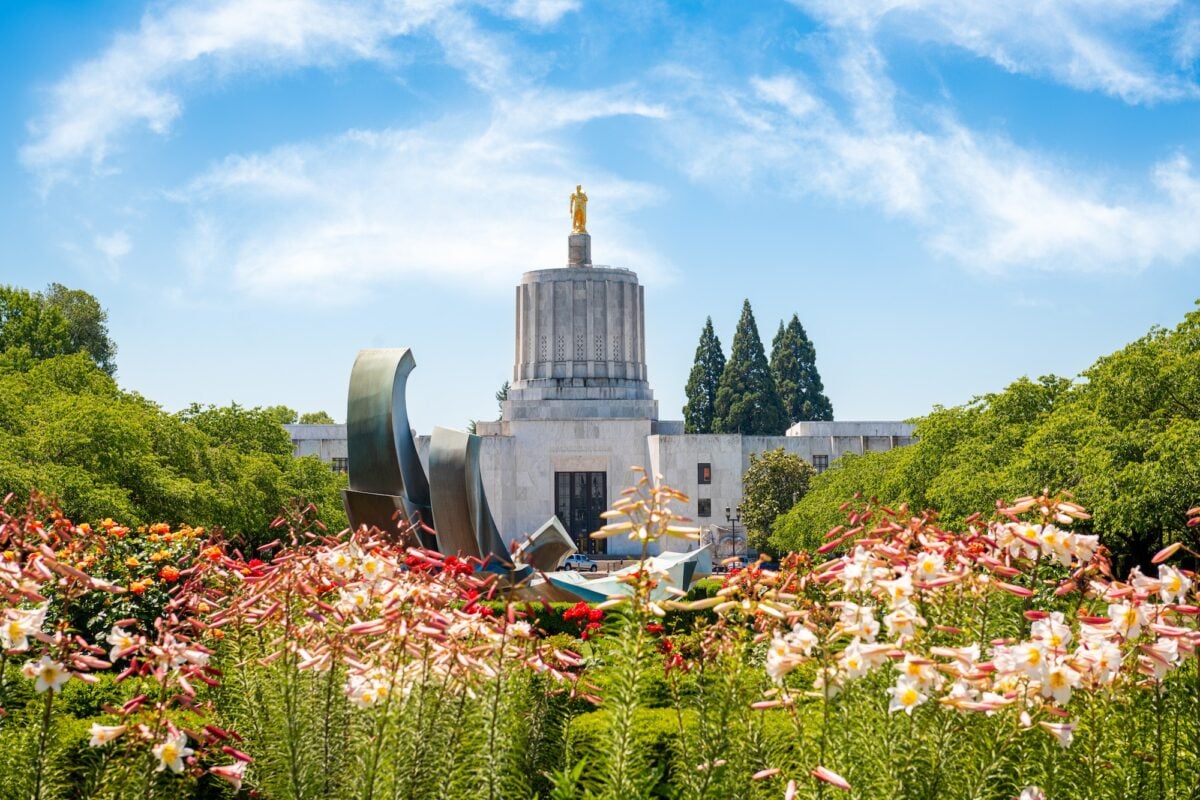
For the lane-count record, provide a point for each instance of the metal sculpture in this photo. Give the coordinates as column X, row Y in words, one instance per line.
column 388, row 485
column 464, row 520
column 386, row 477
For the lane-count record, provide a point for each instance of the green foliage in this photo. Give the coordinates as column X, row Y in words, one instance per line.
column 501, row 397
column 87, row 324
column 68, row 430
column 775, row 481
column 1124, row 440
column 702, row 382
column 747, row 401
column 316, row 418
column 27, row 324
column 794, row 366
column 803, row 527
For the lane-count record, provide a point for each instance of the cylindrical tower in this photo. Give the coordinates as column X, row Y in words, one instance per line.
column 580, row 343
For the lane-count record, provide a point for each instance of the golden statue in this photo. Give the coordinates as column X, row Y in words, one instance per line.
column 579, row 210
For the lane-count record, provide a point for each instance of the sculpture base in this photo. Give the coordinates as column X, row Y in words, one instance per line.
column 579, row 250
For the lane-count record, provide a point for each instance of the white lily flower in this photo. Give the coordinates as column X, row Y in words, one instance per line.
column 121, row 640
column 171, row 752
column 21, row 623
column 1173, row 584
column 47, row 674
column 906, row 695
column 103, row 734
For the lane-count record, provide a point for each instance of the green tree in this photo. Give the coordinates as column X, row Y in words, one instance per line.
column 747, row 401
column 501, row 397
column 775, row 481
column 1125, row 441
column 794, row 367
column 87, row 324
column 702, row 382
column 26, row 323
column 316, row 418
column 249, row 430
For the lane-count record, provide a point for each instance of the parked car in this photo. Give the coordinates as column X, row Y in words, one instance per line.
column 580, row 563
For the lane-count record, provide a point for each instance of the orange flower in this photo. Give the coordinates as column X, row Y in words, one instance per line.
column 203, row 607
column 108, row 524
column 154, row 537
column 218, row 633
column 160, row 555
column 211, row 553
column 10, row 555
column 118, row 531
column 160, row 527
column 137, row 587
column 85, row 528
column 169, row 574
column 132, row 562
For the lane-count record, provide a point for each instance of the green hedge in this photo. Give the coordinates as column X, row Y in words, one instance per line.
column 657, row 733
column 548, row 617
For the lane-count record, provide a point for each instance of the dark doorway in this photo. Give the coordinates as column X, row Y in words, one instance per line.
column 579, row 500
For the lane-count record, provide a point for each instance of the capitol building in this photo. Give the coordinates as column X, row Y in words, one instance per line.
column 580, row 412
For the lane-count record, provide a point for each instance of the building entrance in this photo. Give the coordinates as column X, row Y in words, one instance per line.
column 579, row 500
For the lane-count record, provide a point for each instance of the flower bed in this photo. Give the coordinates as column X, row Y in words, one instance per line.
column 999, row 661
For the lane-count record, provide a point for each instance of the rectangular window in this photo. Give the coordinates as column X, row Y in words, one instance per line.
column 340, row 465
column 820, row 463
column 703, row 507
column 703, row 473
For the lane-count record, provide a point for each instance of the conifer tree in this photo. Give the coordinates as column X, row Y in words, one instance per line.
column 747, row 401
column 702, row 382
column 794, row 367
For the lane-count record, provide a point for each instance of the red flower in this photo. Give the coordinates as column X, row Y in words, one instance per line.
column 595, row 615
column 654, row 628
column 578, row 611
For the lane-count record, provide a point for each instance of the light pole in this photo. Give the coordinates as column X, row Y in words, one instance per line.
column 733, row 518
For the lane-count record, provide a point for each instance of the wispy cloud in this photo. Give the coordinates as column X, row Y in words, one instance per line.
column 447, row 202
column 979, row 198
column 140, row 80
column 1084, row 44
column 113, row 246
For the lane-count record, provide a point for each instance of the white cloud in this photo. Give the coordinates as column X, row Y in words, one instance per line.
column 543, row 12
column 448, row 202
column 140, row 79
column 979, row 199
column 1084, row 44
column 113, row 246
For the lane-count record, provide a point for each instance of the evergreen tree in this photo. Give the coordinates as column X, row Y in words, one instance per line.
column 747, row 400
column 702, row 382
column 794, row 367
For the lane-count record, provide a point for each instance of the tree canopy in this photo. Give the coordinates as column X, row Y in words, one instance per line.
column 316, row 418
column 1125, row 440
column 87, row 324
column 58, row 322
column 794, row 367
column 28, row 324
column 67, row 430
column 747, row 401
column 702, row 382
column 775, row 481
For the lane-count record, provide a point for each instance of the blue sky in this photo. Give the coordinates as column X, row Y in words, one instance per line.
column 950, row 193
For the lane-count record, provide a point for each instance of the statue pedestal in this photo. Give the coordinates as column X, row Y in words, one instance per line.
column 579, row 250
